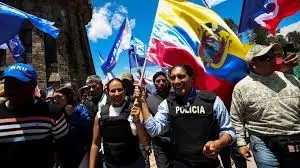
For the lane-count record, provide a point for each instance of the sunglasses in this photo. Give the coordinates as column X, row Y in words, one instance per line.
column 179, row 76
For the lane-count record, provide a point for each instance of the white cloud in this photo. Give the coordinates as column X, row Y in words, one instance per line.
column 290, row 28
column 132, row 23
column 117, row 20
column 118, row 17
column 100, row 27
column 103, row 22
column 122, row 9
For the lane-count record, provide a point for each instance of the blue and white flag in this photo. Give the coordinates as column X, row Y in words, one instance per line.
column 16, row 47
column 211, row 3
column 136, row 54
column 11, row 20
column 139, row 46
column 121, row 44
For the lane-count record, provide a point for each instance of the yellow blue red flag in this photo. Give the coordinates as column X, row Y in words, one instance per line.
column 186, row 33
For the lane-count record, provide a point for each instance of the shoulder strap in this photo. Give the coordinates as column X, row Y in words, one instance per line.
column 126, row 110
column 171, row 98
column 105, row 110
column 207, row 96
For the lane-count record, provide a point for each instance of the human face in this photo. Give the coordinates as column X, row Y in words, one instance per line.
column 18, row 92
column 84, row 96
column 181, row 82
column 95, row 88
column 161, row 84
column 60, row 99
column 264, row 65
column 116, row 93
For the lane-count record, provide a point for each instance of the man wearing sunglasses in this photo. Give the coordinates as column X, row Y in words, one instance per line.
column 198, row 121
column 266, row 103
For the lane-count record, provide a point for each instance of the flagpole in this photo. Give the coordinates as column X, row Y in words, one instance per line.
column 136, row 62
column 144, row 68
column 129, row 62
column 100, row 57
column 206, row 5
column 143, row 72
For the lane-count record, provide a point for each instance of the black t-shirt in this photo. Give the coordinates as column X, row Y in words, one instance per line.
column 28, row 135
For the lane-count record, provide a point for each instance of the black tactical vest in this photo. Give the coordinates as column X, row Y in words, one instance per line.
column 191, row 126
column 121, row 147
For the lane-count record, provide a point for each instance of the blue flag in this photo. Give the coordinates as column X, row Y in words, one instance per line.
column 249, row 12
column 136, row 54
column 16, row 47
column 12, row 20
column 121, row 43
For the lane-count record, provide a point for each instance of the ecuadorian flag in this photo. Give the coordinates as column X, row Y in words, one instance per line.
column 186, row 33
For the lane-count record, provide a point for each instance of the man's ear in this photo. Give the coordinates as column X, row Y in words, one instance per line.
column 252, row 64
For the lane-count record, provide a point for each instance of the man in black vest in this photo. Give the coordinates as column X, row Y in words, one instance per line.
column 128, row 83
column 161, row 143
column 199, row 122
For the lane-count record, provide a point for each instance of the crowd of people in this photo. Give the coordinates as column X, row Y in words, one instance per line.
column 120, row 123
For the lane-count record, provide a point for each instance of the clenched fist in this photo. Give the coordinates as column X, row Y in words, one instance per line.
column 136, row 109
column 211, row 149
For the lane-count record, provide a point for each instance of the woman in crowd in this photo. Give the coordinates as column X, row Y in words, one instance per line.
column 80, row 125
column 120, row 128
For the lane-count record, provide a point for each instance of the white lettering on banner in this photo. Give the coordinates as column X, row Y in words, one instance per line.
column 190, row 109
column 20, row 68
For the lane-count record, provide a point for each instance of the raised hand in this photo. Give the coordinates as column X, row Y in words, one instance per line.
column 139, row 93
column 289, row 62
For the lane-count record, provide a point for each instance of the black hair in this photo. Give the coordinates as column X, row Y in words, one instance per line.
column 68, row 92
column 188, row 69
column 157, row 74
column 43, row 94
column 110, row 81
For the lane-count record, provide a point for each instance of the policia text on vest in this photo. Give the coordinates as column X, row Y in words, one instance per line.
column 187, row 109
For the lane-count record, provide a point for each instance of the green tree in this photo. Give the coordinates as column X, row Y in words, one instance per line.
column 294, row 37
column 280, row 39
column 262, row 36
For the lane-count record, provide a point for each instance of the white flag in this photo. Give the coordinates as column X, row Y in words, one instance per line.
column 211, row 3
column 125, row 39
column 3, row 46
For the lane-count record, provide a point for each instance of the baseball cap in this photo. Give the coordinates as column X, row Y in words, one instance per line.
column 20, row 71
column 260, row 50
column 127, row 76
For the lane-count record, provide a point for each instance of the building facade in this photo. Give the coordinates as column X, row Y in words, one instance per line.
column 65, row 59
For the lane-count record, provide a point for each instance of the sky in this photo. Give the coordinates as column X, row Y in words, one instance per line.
column 108, row 16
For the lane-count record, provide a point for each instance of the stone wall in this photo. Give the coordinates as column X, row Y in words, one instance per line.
column 69, row 55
